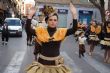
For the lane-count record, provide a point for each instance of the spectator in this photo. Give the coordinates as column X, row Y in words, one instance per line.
column 5, row 34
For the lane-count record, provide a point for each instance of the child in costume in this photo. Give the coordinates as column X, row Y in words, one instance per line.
column 81, row 41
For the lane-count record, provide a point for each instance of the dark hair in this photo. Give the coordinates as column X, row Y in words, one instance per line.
column 52, row 14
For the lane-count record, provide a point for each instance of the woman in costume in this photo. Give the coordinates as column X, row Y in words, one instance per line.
column 50, row 38
column 94, row 31
column 106, row 42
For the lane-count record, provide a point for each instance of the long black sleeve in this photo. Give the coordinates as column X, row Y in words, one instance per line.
column 28, row 23
column 73, row 29
column 28, row 27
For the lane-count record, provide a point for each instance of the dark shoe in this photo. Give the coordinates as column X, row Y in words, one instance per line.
column 79, row 55
column 83, row 54
column 3, row 43
column 6, row 43
column 30, row 44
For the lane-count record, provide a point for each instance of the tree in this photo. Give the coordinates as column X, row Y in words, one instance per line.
column 100, row 4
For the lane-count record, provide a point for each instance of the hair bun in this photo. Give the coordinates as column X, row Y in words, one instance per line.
column 48, row 10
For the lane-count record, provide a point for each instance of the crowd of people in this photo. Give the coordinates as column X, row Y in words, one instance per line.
column 95, row 34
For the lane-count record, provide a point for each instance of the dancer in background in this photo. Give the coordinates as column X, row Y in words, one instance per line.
column 106, row 42
column 94, row 31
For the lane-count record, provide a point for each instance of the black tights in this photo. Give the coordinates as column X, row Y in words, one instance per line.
column 107, row 55
column 5, row 38
column 92, row 47
column 29, row 37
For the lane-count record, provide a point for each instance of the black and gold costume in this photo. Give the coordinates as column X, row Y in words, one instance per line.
column 94, row 32
column 50, row 39
column 106, row 41
column 80, row 28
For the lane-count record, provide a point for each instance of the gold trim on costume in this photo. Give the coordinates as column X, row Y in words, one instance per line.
column 103, row 42
column 37, row 67
column 78, row 31
column 97, row 30
column 93, row 37
column 48, row 58
column 108, row 29
column 108, row 39
column 58, row 60
column 43, row 35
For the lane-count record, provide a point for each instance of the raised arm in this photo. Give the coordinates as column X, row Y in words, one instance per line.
column 28, row 21
column 74, row 15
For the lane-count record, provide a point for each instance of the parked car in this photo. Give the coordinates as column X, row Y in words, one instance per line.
column 14, row 26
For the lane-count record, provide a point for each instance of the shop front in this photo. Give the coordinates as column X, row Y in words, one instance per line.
column 85, row 16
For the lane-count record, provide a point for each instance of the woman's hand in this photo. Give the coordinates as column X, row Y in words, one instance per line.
column 73, row 11
column 32, row 11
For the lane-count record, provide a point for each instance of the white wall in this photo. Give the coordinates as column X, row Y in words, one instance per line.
column 106, row 4
column 96, row 13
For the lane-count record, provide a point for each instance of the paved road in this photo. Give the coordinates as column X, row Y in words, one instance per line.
column 17, row 55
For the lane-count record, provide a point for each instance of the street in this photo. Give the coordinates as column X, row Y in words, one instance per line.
column 17, row 55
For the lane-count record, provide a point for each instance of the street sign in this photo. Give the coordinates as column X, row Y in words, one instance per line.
column 62, row 11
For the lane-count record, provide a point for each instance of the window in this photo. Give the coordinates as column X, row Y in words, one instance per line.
column 13, row 22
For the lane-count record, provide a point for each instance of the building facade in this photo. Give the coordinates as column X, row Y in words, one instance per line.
column 25, row 6
column 86, row 11
column 4, row 10
column 7, row 8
